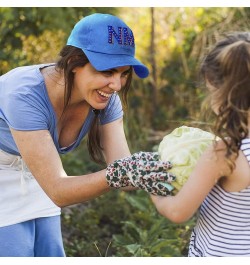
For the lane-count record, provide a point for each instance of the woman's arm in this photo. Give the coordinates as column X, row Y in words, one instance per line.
column 39, row 153
column 112, row 135
column 114, row 141
column 181, row 207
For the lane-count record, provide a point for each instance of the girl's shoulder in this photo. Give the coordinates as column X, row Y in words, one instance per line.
column 239, row 179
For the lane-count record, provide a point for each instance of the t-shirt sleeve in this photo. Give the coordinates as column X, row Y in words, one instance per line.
column 113, row 111
column 25, row 111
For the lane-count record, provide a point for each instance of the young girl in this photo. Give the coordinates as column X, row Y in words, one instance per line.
column 220, row 182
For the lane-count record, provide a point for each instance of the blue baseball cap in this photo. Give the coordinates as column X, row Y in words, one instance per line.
column 107, row 42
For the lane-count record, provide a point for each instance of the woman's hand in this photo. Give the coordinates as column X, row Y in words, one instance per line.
column 142, row 170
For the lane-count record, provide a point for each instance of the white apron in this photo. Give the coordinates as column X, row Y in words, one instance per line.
column 21, row 197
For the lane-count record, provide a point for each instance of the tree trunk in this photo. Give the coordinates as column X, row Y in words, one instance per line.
column 153, row 65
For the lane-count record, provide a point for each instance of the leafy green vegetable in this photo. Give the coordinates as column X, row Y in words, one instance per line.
column 183, row 147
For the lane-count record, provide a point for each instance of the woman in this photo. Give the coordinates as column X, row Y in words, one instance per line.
column 46, row 110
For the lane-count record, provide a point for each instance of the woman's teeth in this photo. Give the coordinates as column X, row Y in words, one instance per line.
column 104, row 94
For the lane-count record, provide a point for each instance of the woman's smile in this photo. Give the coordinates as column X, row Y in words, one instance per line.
column 104, row 94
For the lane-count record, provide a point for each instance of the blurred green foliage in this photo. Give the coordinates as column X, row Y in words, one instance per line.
column 126, row 223
column 29, row 31
column 122, row 225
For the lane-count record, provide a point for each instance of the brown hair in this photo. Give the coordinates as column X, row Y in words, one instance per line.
column 227, row 68
column 70, row 58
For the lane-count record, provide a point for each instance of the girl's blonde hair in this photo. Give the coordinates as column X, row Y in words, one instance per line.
column 227, row 68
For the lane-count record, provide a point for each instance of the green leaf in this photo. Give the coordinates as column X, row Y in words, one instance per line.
column 133, row 248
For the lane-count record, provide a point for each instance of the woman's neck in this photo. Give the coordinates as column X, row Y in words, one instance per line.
column 54, row 82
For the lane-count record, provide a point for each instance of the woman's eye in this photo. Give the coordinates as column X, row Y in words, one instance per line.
column 107, row 73
column 125, row 74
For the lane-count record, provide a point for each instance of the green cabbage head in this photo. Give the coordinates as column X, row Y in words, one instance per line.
column 183, row 147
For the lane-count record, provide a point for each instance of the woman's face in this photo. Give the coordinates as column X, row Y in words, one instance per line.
column 96, row 87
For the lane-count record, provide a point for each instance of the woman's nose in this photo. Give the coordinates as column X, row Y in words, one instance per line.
column 115, row 83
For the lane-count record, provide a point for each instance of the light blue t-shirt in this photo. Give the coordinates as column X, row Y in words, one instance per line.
column 25, row 106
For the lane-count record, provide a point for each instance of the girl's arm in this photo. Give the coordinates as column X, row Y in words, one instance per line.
column 39, row 153
column 181, row 207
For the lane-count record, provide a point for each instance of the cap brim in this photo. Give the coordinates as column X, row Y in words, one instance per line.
column 103, row 61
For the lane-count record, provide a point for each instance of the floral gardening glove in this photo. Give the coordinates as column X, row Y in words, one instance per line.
column 142, row 170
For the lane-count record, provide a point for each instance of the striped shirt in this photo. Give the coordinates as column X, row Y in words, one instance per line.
column 223, row 225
